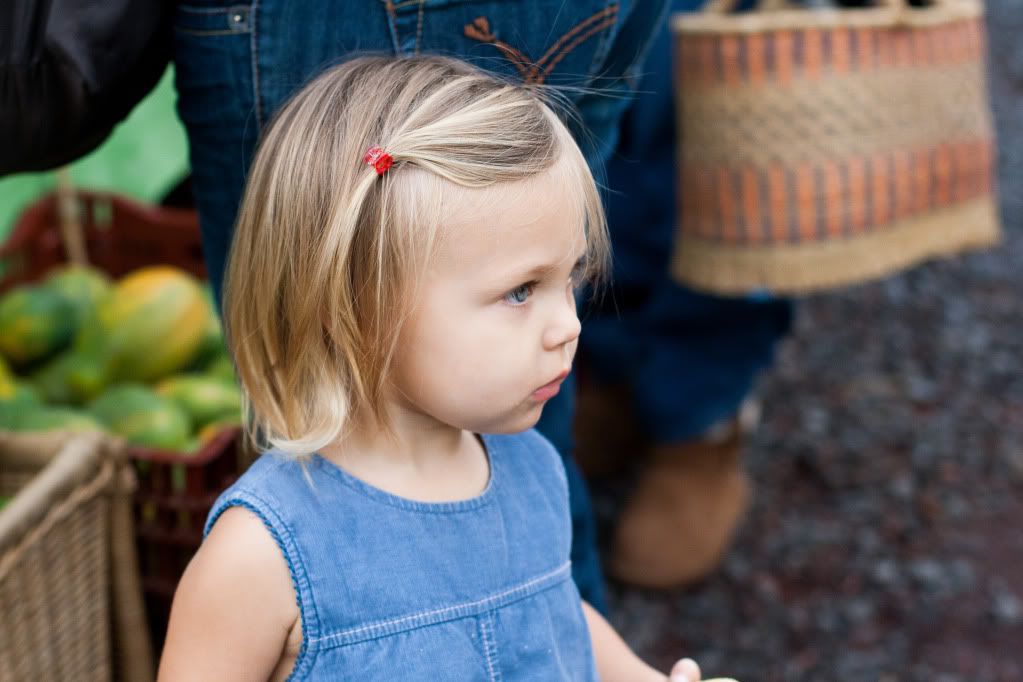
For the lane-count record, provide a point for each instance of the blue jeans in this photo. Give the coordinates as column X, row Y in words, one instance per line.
column 238, row 62
column 689, row 358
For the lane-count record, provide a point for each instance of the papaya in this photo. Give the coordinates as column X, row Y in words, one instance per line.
column 83, row 286
column 203, row 398
column 142, row 417
column 73, row 377
column 35, row 322
column 151, row 325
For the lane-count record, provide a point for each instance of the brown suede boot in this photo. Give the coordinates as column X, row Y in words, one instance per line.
column 685, row 510
column 607, row 437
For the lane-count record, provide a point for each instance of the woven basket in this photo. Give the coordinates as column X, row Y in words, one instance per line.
column 69, row 586
column 821, row 148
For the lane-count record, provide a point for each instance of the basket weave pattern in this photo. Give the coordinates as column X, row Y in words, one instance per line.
column 54, row 584
column 69, row 586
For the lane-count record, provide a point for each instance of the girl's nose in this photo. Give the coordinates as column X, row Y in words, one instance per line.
column 564, row 328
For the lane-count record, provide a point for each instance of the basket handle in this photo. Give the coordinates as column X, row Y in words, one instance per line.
column 72, row 234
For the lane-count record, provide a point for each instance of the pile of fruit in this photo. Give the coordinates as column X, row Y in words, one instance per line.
column 142, row 357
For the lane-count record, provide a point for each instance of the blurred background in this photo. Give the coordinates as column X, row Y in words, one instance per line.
column 885, row 538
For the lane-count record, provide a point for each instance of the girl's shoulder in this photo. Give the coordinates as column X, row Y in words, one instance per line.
column 271, row 483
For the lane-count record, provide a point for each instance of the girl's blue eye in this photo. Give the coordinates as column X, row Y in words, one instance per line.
column 519, row 294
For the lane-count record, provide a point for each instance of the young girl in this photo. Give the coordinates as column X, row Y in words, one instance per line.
column 400, row 304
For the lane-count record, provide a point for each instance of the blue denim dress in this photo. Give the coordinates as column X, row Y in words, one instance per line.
column 394, row 589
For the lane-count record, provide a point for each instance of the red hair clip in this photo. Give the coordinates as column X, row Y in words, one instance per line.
column 379, row 159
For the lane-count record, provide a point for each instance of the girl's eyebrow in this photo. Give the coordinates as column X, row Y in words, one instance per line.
column 540, row 271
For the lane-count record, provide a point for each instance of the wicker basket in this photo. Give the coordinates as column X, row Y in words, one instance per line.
column 820, row 148
column 175, row 490
column 69, row 584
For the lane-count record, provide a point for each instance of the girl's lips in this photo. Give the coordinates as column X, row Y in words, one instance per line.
column 548, row 391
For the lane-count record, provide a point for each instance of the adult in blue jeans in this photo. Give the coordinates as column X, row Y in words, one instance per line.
column 238, row 62
column 683, row 362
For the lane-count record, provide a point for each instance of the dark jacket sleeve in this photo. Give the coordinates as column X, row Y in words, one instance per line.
column 70, row 70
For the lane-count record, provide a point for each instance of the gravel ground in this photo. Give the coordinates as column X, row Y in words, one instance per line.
column 886, row 539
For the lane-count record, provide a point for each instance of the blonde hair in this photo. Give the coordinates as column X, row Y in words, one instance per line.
column 326, row 254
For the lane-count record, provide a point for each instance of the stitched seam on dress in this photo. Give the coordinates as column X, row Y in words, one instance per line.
column 440, row 615
column 254, row 49
column 613, row 9
column 489, row 645
column 574, row 44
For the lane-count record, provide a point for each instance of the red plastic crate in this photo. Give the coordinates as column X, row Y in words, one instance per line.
column 175, row 490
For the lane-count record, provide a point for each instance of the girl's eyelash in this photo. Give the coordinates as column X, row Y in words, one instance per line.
column 527, row 287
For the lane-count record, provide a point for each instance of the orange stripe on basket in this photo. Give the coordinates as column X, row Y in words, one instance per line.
column 921, row 180
column 903, row 184
column 885, row 49
column 955, row 41
column 729, row 46
column 779, row 204
column 939, row 46
column 921, row 47
column 806, row 204
column 834, row 200
column 879, row 194
column 812, row 53
column 685, row 59
column 751, row 206
column 866, row 49
column 783, row 57
column 704, row 209
column 840, row 56
column 961, row 170
column 857, row 194
column 708, row 70
column 943, row 175
column 755, row 58
column 903, row 47
column 726, row 207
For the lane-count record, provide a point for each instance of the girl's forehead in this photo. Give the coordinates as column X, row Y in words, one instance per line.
column 513, row 232
column 532, row 200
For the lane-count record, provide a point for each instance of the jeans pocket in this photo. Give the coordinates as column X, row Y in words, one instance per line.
column 553, row 42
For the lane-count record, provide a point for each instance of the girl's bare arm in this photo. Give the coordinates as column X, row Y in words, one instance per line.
column 616, row 662
column 233, row 608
